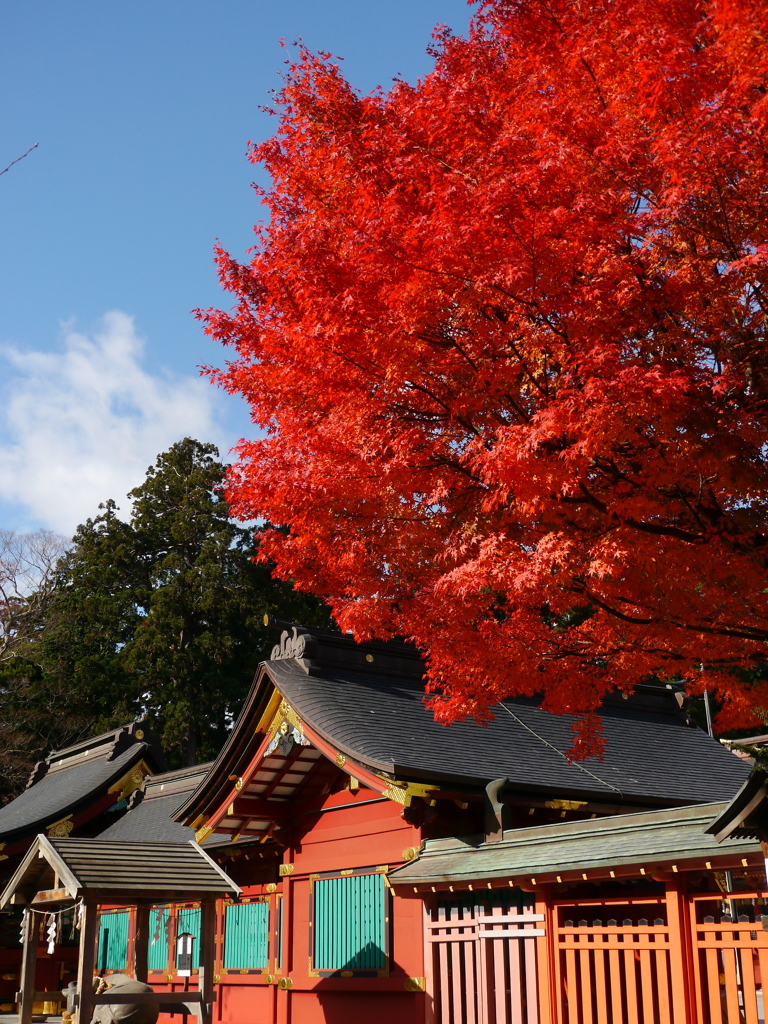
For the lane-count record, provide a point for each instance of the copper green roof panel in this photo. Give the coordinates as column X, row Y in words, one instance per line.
column 652, row 837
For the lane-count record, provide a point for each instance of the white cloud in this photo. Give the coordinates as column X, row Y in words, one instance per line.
column 82, row 424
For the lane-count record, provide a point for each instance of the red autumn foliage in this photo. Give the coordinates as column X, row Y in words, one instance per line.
column 505, row 333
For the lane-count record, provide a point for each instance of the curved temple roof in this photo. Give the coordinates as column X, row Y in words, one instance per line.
column 366, row 702
column 67, row 781
column 149, row 817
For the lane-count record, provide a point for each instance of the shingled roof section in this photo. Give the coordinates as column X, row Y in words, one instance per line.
column 149, row 813
column 118, row 870
column 659, row 838
column 68, row 780
column 368, row 701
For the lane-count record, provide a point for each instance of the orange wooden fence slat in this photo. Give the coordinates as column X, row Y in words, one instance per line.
column 762, row 956
column 749, row 988
column 559, row 980
column 499, row 983
column 601, row 986
column 614, row 967
column 430, row 955
column 456, row 986
column 445, row 1001
column 731, row 985
column 529, row 947
column 572, row 987
column 662, row 978
column 631, row 977
column 712, row 962
column 646, row 984
column 470, row 981
column 585, row 971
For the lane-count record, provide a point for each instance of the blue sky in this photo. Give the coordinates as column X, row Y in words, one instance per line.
column 142, row 111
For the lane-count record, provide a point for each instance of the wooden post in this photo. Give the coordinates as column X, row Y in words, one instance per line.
column 141, row 944
column 28, row 962
column 207, row 960
column 680, row 954
column 88, row 928
column 545, row 954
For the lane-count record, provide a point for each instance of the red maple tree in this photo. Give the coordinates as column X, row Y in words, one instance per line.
column 505, row 335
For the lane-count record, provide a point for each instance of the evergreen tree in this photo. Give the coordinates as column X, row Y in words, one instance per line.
column 163, row 615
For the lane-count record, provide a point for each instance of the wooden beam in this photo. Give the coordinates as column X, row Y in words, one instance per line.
column 207, row 960
column 55, row 996
column 28, row 963
column 141, row 944
column 253, row 807
column 86, row 962
column 51, row 896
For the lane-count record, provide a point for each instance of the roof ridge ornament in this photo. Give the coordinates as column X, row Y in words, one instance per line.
column 294, row 645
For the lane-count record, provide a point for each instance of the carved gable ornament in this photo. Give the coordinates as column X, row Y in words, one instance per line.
column 60, row 829
column 295, row 644
column 286, row 737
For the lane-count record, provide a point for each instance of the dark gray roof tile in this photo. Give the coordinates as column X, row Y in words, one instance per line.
column 63, row 791
column 651, row 755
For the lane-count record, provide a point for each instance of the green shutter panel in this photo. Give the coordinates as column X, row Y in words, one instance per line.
column 113, row 941
column 157, row 951
column 246, row 936
column 189, row 922
column 349, row 923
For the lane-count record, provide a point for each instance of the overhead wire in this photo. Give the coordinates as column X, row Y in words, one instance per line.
column 573, row 764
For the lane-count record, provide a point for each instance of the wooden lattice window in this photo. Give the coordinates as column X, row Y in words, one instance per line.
column 157, row 948
column 350, row 924
column 113, row 940
column 246, row 936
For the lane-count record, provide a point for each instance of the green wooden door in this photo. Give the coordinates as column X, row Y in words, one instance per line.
column 246, row 936
column 349, row 923
column 113, row 941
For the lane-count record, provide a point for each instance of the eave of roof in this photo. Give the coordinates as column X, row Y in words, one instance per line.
column 365, row 703
column 570, row 851
column 110, row 870
column 734, row 818
column 239, row 747
column 651, row 756
column 66, row 792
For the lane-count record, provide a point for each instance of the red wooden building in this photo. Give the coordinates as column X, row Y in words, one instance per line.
column 336, row 774
column 79, row 791
column 377, row 851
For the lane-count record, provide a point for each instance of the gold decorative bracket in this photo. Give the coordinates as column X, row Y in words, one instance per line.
column 202, row 834
column 60, row 829
column 565, row 805
column 404, row 792
column 134, row 779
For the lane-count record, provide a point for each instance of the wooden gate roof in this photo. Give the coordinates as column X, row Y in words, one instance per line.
column 579, row 851
column 116, row 871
